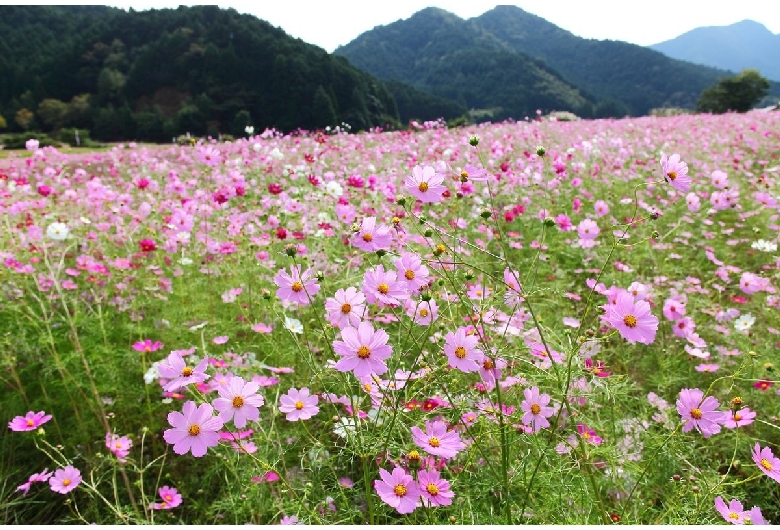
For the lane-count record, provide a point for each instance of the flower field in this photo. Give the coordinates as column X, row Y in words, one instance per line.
column 519, row 323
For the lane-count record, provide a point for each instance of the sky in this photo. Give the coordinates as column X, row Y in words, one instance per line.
column 329, row 24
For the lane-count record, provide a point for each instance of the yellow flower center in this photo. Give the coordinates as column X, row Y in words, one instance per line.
column 66, row 482
column 672, row 175
column 367, row 387
column 423, row 312
column 400, row 490
column 364, row 352
column 488, row 364
column 168, row 497
column 434, row 442
column 696, row 414
column 298, row 405
column 431, row 488
column 535, row 409
column 187, row 371
column 30, row 422
column 383, row 288
column 765, row 464
column 297, row 287
column 464, row 176
column 414, row 455
column 346, row 308
column 733, row 515
column 118, row 446
column 630, row 321
column 238, row 402
column 409, row 275
column 368, row 238
column 423, row 187
column 737, row 417
column 194, row 429
column 460, row 352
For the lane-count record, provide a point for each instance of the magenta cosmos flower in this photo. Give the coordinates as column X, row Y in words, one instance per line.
column 194, row 429
column 435, row 490
column 147, row 345
column 363, row 351
column 632, row 318
column 462, row 352
column 180, row 375
column 119, row 445
column 372, row 237
column 767, row 462
column 437, row 440
column 425, row 184
column 298, row 404
column 238, row 400
column 676, row 172
column 346, row 308
column 695, row 411
column 43, row 476
column 398, row 490
column 383, row 288
column 171, row 498
column 65, row 480
column 29, row 422
column 734, row 513
column 296, row 287
column 740, row 418
column 536, row 409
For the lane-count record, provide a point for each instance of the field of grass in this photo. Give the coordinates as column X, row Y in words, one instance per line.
column 516, row 323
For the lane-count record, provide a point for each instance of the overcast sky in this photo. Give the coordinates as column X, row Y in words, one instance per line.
column 329, row 24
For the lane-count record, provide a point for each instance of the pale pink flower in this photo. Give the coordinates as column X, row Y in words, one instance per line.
column 363, row 351
column 676, row 172
column 425, row 184
column 298, row 404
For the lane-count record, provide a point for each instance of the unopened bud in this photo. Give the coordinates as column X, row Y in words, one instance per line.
column 474, row 141
column 540, row 150
column 380, row 253
column 401, row 201
column 428, row 233
column 291, row 250
column 486, row 214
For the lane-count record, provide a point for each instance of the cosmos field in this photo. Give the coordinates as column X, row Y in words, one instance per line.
column 520, row 323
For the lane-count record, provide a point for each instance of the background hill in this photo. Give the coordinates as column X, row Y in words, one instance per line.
column 746, row 44
column 437, row 51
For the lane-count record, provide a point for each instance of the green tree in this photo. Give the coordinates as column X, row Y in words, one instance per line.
column 79, row 111
column 324, row 113
column 3, row 123
column 738, row 93
column 53, row 113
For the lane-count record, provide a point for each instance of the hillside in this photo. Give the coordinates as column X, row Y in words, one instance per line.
column 156, row 74
column 746, row 44
column 441, row 53
column 616, row 78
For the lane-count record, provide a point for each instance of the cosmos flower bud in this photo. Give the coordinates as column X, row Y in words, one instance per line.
column 401, row 201
column 428, row 233
column 540, row 150
column 474, row 141
column 486, row 214
column 291, row 250
column 380, row 253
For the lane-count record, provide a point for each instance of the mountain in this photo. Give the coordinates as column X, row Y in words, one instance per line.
column 155, row 74
column 437, row 51
column 445, row 55
column 742, row 45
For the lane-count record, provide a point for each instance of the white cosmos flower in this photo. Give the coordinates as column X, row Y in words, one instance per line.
column 744, row 322
column 293, row 325
column 764, row 246
column 334, row 189
column 58, row 231
column 152, row 374
column 249, row 130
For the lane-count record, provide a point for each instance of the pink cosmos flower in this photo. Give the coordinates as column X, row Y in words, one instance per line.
column 733, row 513
column 425, row 184
column 298, row 404
column 437, row 440
column 296, row 287
column 194, row 429
column 588, row 434
column 383, row 288
column 43, row 476
column 398, row 490
column 174, row 369
column 512, row 296
column 147, row 345
column 119, row 445
column 363, row 351
column 632, row 319
column 767, row 461
column 693, row 202
column 29, row 422
column 346, row 308
column 411, row 271
column 740, row 418
column 171, row 499
column 601, row 208
column 372, row 237
column 239, row 401
column 698, row 412
column 490, row 370
column 674, row 309
column 461, row 351
column 588, row 229
column 755, row 517
column 65, row 480
column 676, row 172
column 423, row 312
column 536, row 409
column 471, row 173
column 435, row 490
